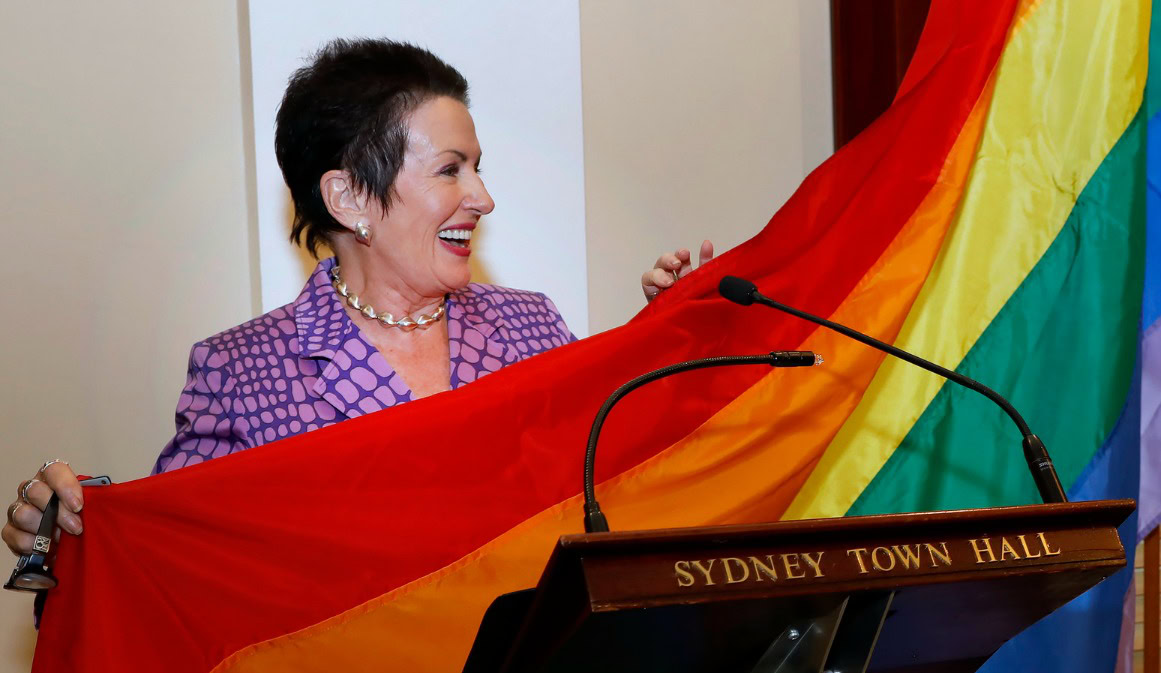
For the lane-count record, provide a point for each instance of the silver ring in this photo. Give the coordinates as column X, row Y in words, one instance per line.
column 24, row 490
column 51, row 462
column 12, row 509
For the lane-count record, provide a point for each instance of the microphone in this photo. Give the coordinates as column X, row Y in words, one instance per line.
column 595, row 521
column 741, row 291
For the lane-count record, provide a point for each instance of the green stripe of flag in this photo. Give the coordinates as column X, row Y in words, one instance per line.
column 1062, row 350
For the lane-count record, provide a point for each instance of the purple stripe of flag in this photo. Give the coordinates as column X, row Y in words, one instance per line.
column 1149, row 502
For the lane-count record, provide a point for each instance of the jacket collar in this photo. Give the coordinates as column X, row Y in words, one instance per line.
column 324, row 330
column 322, row 323
column 469, row 308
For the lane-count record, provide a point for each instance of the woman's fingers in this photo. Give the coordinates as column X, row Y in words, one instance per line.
column 654, row 281
column 20, row 542
column 672, row 261
column 705, row 253
column 61, row 479
column 24, row 516
column 670, row 267
column 686, row 263
column 69, row 521
column 37, row 494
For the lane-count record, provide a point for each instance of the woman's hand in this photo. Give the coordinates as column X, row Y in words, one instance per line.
column 25, row 512
column 671, row 267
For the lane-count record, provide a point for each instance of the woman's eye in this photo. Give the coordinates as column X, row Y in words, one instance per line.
column 452, row 170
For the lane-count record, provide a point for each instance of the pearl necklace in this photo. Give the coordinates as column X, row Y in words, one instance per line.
column 406, row 323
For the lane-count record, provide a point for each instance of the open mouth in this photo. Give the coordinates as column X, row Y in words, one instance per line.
column 460, row 238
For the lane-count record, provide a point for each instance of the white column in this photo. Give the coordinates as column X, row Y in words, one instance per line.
column 522, row 60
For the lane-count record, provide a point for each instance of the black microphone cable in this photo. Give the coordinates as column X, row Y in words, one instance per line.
column 744, row 292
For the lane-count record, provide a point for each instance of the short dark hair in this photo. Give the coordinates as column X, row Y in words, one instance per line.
column 347, row 109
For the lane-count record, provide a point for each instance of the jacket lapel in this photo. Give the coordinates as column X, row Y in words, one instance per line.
column 477, row 346
column 342, row 368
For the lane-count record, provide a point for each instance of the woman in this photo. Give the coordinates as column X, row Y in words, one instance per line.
column 381, row 158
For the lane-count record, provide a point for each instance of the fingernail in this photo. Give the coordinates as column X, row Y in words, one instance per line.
column 73, row 525
column 76, row 503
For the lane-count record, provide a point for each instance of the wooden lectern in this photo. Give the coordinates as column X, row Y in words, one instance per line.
column 905, row 593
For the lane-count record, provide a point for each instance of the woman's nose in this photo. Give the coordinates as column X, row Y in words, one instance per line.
column 478, row 198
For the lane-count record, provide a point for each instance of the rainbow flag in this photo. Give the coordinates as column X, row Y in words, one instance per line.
column 992, row 220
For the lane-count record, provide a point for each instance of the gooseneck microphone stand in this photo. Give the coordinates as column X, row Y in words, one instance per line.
column 595, row 521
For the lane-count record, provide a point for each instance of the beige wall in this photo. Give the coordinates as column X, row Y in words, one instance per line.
column 700, row 119
column 124, row 219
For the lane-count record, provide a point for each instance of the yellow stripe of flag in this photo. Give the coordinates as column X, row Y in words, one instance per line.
column 1068, row 83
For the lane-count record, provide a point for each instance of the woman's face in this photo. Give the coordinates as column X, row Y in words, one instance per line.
column 437, row 200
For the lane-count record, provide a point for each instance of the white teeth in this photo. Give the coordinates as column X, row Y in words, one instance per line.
column 456, row 234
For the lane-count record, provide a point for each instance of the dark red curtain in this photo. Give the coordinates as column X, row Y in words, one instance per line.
column 872, row 42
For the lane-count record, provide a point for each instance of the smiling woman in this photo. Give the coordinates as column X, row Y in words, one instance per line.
column 379, row 151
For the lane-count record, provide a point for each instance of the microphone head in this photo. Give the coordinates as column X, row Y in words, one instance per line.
column 737, row 290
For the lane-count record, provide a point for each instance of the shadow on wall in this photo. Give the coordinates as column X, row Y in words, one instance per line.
column 307, row 263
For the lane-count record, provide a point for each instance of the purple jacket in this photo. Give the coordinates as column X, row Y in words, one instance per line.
column 307, row 365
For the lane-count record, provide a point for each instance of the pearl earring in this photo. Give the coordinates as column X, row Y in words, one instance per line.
column 363, row 233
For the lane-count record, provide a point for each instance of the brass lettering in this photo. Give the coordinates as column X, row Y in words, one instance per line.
column 1044, row 543
column 814, row 563
column 882, row 566
column 944, row 556
column 987, row 547
column 730, row 575
column 1027, row 552
column 705, row 570
column 763, row 569
column 858, row 553
column 790, row 563
column 1006, row 550
column 684, row 578
column 907, row 556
